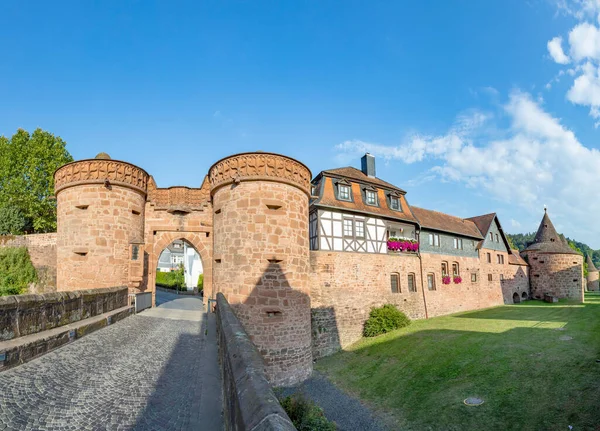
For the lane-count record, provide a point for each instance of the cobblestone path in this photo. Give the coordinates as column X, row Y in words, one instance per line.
column 148, row 372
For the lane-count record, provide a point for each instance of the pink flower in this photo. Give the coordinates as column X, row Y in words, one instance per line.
column 457, row 279
column 446, row 279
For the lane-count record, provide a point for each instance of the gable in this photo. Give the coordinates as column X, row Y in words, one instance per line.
column 494, row 238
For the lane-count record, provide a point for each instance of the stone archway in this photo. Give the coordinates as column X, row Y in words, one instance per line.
column 199, row 240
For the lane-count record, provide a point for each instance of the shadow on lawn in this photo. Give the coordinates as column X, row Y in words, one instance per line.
column 539, row 310
column 423, row 377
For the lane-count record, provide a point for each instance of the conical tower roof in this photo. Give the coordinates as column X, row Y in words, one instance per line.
column 591, row 266
column 547, row 240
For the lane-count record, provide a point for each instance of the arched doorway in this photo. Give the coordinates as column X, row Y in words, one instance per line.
column 196, row 240
column 524, row 296
column 516, row 298
column 180, row 268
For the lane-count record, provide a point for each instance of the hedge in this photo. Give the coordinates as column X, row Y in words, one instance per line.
column 16, row 271
column 171, row 280
column 384, row 319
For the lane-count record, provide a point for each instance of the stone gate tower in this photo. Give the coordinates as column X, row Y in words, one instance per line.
column 555, row 268
column 100, row 213
column 593, row 275
column 261, row 255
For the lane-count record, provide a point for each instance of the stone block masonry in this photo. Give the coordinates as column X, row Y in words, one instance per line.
column 22, row 315
column 250, row 403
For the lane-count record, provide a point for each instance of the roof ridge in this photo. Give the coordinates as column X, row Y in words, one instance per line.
column 439, row 212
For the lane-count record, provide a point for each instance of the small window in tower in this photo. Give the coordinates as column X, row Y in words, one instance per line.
column 490, row 277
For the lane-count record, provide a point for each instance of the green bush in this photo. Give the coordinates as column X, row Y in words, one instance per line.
column 16, row 270
column 171, row 280
column 384, row 319
column 306, row 415
column 200, row 283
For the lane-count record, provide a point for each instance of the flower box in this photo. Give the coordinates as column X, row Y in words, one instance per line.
column 402, row 245
column 457, row 279
column 446, row 279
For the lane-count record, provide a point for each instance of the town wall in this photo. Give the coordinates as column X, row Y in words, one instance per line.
column 467, row 295
column 346, row 285
column 42, row 250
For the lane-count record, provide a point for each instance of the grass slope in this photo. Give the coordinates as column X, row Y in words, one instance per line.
column 511, row 356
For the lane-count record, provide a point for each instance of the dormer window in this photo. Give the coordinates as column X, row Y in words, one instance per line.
column 371, row 197
column 395, row 203
column 344, row 192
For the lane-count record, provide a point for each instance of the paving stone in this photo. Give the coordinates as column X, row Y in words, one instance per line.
column 141, row 373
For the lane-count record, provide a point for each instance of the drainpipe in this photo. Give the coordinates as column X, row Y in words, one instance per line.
column 422, row 282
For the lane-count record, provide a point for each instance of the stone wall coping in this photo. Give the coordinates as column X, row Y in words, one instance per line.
column 18, row 350
column 252, row 404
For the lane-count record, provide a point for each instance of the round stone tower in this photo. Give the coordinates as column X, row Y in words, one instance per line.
column 261, row 256
column 555, row 268
column 100, row 212
column 593, row 276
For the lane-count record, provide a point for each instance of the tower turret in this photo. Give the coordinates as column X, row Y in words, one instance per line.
column 100, row 217
column 261, row 256
column 593, row 276
column 556, row 269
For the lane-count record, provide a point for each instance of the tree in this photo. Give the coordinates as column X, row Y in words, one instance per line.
column 27, row 165
column 12, row 221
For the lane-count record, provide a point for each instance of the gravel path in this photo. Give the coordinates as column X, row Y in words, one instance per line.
column 147, row 372
column 346, row 411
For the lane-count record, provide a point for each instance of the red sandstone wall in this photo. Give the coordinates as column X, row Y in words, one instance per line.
column 560, row 275
column 592, row 281
column 114, row 217
column 344, row 288
column 468, row 295
column 42, row 249
column 261, row 256
column 516, row 281
column 178, row 213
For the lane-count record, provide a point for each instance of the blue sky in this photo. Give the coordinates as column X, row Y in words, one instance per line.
column 472, row 107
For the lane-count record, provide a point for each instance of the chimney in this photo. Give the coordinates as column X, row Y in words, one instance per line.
column 367, row 163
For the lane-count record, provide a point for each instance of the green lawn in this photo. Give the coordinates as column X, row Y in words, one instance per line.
column 510, row 356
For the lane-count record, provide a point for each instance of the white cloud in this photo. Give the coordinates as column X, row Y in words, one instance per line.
column 556, row 51
column 584, row 42
column 537, row 161
column 514, row 223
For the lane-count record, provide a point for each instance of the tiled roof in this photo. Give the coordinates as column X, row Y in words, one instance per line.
column 357, row 174
column 514, row 258
column 483, row 222
column 590, row 263
column 547, row 240
column 446, row 223
column 328, row 199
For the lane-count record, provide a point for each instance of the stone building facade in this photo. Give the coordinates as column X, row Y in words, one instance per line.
column 302, row 261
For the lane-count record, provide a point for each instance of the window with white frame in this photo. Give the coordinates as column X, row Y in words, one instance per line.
column 497, row 238
column 473, row 277
column 348, row 227
column 371, row 197
column 491, row 236
column 444, row 269
column 458, row 243
column 344, row 192
column 395, row 203
column 359, row 228
column 434, row 239
column 455, row 269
